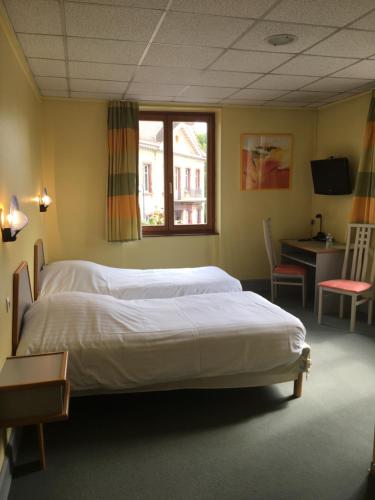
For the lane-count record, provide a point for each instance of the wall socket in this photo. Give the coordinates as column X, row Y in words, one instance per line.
column 7, row 304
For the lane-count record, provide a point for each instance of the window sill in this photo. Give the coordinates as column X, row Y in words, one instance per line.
column 158, row 235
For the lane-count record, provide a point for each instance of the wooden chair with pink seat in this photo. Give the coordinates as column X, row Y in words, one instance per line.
column 282, row 274
column 356, row 280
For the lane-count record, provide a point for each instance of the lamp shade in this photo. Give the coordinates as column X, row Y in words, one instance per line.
column 12, row 223
column 45, row 200
column 16, row 219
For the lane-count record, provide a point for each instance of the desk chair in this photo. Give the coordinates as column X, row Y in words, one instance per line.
column 282, row 274
column 353, row 284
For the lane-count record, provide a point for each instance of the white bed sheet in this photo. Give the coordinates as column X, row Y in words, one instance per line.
column 117, row 345
column 85, row 276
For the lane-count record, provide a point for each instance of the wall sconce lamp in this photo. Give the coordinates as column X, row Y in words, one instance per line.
column 12, row 223
column 44, row 201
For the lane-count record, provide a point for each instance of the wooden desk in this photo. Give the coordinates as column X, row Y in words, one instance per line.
column 324, row 262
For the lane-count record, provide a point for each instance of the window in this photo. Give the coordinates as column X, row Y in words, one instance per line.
column 197, row 179
column 187, row 179
column 177, row 192
column 147, row 179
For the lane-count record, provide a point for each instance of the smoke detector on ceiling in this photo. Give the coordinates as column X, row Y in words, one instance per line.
column 282, row 39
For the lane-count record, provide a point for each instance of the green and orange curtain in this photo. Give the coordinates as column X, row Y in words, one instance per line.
column 123, row 214
column 364, row 192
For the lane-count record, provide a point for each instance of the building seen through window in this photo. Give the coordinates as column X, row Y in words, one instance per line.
column 173, row 180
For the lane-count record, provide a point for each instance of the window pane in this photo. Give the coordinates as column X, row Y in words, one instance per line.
column 151, row 172
column 190, row 172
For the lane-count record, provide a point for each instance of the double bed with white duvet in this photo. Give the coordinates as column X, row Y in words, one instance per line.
column 206, row 340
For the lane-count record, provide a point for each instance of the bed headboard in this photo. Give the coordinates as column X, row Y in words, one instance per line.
column 39, row 263
column 22, row 299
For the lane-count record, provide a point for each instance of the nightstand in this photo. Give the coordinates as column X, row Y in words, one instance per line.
column 34, row 390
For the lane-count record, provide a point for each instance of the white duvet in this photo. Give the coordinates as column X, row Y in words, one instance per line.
column 116, row 345
column 85, row 276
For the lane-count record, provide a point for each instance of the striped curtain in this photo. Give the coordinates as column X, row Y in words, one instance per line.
column 364, row 192
column 123, row 215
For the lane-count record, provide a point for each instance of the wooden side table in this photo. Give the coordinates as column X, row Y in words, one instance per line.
column 34, row 390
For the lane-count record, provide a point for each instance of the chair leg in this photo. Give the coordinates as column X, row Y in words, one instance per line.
column 275, row 292
column 272, row 291
column 370, row 310
column 353, row 313
column 342, row 297
column 320, row 306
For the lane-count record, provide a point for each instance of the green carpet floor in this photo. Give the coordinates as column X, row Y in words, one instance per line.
column 243, row 444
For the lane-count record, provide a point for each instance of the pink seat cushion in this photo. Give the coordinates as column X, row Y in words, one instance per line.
column 290, row 269
column 347, row 285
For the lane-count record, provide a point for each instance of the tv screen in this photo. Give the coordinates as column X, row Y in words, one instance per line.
column 331, row 176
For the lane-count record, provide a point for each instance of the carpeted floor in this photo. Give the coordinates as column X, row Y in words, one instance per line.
column 243, row 444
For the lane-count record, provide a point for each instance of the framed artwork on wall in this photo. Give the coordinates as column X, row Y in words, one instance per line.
column 266, row 161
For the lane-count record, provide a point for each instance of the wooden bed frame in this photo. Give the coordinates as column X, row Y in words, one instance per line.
column 39, row 263
column 22, row 299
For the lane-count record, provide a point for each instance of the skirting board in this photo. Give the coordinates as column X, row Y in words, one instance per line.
column 9, row 459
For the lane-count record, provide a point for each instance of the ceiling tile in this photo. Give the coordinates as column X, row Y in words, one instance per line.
column 349, row 43
column 200, row 100
column 152, row 98
column 283, row 104
column 96, row 95
column 37, row 16
column 180, row 56
column 336, row 84
column 305, row 96
column 256, row 62
column 82, row 85
column 257, row 94
column 225, row 78
column 151, row 74
column 255, row 39
column 323, row 12
column 118, row 23
column 199, row 29
column 236, row 8
column 244, row 102
column 366, row 23
column 362, row 69
column 45, row 46
column 98, row 71
column 143, row 4
column 47, row 67
column 55, row 93
column 51, row 83
column 107, row 51
column 313, row 65
column 155, row 89
column 211, row 92
column 282, row 82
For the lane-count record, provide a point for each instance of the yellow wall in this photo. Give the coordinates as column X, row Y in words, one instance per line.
column 340, row 133
column 75, row 159
column 242, row 247
column 20, row 170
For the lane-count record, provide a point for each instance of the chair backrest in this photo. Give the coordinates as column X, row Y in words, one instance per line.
column 269, row 244
column 358, row 242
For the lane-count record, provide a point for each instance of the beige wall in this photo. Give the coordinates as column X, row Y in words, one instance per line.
column 340, row 132
column 20, row 171
column 75, row 160
column 242, row 248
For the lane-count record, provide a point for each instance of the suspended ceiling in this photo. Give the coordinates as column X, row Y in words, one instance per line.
column 198, row 51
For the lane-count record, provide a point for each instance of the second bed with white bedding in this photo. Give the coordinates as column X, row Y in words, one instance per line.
column 85, row 276
column 118, row 345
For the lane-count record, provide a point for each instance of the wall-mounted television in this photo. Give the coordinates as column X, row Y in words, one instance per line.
column 331, row 176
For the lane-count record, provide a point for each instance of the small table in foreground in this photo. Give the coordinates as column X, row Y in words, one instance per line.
column 34, row 390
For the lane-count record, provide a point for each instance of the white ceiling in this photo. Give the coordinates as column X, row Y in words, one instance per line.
column 203, row 51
